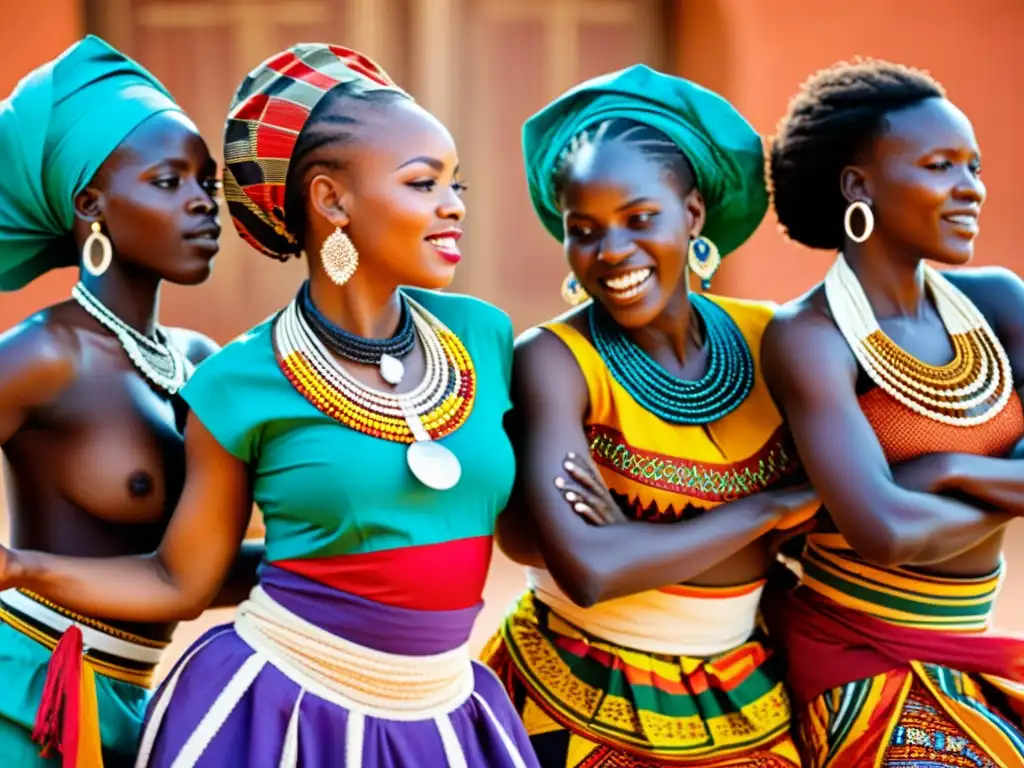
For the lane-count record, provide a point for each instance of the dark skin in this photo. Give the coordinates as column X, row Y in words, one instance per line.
column 399, row 189
column 942, row 513
column 623, row 212
column 95, row 456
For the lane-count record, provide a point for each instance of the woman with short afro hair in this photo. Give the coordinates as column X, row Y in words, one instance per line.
column 901, row 385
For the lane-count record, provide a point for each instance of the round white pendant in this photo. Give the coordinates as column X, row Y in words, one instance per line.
column 434, row 465
column 391, row 369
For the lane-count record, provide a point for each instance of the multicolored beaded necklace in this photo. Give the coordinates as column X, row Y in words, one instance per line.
column 726, row 383
column 386, row 354
column 438, row 406
column 978, row 375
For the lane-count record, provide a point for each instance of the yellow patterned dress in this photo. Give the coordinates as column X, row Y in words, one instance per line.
column 674, row 676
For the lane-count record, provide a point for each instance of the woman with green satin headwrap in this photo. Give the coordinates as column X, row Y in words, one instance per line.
column 101, row 170
column 655, row 478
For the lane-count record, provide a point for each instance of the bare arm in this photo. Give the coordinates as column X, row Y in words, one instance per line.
column 811, row 374
column 994, row 481
column 595, row 563
column 242, row 576
column 179, row 580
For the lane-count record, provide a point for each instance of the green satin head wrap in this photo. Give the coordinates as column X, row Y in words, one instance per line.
column 56, row 128
column 723, row 148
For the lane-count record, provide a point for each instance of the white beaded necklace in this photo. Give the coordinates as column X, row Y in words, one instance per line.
column 156, row 359
column 852, row 313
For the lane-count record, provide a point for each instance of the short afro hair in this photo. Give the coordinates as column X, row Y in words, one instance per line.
column 835, row 114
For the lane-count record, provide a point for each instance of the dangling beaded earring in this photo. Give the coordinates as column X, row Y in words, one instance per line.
column 572, row 292
column 869, row 221
column 704, row 260
column 106, row 251
column 339, row 257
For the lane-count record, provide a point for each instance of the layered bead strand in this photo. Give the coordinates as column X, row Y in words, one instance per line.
column 979, row 375
column 439, row 405
column 724, row 386
column 386, row 354
column 156, row 359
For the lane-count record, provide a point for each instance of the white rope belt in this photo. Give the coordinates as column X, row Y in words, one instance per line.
column 356, row 676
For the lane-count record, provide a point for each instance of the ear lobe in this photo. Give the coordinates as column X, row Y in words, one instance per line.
column 854, row 185
column 327, row 198
column 697, row 210
column 89, row 204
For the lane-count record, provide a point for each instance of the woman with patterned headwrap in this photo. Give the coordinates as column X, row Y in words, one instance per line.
column 102, row 170
column 365, row 420
column 653, row 463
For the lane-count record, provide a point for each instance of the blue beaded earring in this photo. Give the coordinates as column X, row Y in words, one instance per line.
column 704, row 260
column 572, row 292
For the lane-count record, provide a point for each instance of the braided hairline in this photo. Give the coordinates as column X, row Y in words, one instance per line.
column 650, row 141
column 325, row 128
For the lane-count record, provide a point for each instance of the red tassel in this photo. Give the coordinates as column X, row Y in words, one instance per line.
column 56, row 726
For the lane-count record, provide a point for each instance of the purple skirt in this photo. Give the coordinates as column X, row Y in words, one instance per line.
column 272, row 721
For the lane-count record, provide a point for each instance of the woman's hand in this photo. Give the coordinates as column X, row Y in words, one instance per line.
column 586, row 493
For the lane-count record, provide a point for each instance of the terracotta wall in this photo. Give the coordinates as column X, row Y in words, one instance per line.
column 26, row 41
column 757, row 53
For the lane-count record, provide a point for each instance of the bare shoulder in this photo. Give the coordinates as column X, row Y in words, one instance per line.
column 998, row 292
column 196, row 346
column 38, row 360
column 546, row 376
column 802, row 345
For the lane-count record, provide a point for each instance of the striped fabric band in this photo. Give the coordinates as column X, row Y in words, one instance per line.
column 898, row 595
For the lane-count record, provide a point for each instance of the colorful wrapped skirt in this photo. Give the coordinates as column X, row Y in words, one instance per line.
column 893, row 669
column 309, row 677
column 587, row 699
column 74, row 691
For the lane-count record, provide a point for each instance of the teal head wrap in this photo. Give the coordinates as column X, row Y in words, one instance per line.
column 56, row 128
column 723, row 148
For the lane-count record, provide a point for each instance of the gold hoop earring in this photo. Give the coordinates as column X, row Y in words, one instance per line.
column 106, row 251
column 339, row 257
column 704, row 260
column 572, row 292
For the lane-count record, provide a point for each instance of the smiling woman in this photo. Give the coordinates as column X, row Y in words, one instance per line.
column 655, row 481
column 901, row 385
column 365, row 420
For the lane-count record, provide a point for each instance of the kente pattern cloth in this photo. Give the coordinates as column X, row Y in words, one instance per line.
column 267, row 114
column 925, row 736
column 613, row 706
column 881, row 635
column 619, row 703
column 723, row 149
column 58, row 126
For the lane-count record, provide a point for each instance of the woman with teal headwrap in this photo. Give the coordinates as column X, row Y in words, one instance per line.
column 101, row 169
column 654, row 471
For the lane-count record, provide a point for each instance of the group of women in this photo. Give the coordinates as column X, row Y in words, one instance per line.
column 754, row 536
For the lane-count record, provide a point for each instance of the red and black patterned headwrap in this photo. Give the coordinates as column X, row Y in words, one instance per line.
column 267, row 114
